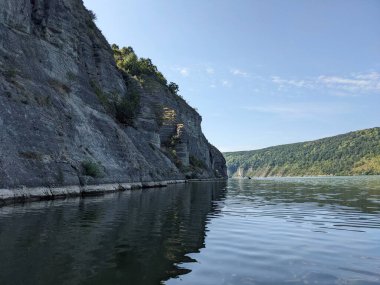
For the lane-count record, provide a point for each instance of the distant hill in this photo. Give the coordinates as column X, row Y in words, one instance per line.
column 354, row 153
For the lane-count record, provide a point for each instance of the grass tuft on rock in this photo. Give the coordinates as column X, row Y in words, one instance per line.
column 90, row 168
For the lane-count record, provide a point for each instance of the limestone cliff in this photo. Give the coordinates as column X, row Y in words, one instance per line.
column 54, row 129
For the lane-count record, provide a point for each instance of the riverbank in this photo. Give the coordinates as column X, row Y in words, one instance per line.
column 24, row 194
column 29, row 194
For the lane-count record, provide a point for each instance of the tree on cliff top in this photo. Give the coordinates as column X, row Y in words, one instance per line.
column 127, row 60
column 174, row 88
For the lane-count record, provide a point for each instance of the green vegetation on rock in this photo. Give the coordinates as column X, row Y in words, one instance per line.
column 195, row 162
column 355, row 153
column 90, row 168
column 128, row 62
column 123, row 108
column 126, row 108
column 174, row 88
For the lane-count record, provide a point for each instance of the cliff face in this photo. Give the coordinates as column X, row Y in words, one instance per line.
column 54, row 129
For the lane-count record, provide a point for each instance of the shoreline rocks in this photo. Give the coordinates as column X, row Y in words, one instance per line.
column 30, row 194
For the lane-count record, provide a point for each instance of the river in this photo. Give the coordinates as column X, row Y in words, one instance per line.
column 321, row 230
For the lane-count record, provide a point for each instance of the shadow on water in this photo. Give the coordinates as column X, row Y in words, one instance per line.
column 133, row 237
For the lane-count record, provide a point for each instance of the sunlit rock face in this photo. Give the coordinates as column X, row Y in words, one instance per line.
column 52, row 120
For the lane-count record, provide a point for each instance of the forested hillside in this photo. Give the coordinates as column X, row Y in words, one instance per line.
column 354, row 153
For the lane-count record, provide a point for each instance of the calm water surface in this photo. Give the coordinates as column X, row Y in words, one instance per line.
column 265, row 231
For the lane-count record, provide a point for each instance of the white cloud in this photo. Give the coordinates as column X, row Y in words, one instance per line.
column 226, row 83
column 369, row 76
column 210, row 70
column 184, row 71
column 239, row 72
column 363, row 82
column 355, row 83
column 292, row 82
column 300, row 110
column 212, row 86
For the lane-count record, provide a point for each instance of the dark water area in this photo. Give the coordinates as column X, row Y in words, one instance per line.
column 260, row 231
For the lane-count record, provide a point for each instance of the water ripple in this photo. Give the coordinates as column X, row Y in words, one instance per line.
column 264, row 231
column 293, row 231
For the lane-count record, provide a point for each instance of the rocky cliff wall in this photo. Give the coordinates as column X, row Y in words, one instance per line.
column 55, row 131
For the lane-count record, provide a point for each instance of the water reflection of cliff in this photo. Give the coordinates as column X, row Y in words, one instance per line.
column 129, row 238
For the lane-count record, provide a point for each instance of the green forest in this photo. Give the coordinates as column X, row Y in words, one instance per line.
column 354, row 153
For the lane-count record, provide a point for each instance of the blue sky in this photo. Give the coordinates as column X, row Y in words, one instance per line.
column 260, row 73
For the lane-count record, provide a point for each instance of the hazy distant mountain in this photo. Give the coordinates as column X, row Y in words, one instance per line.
column 354, row 153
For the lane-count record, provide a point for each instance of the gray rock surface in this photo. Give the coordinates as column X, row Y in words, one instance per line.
column 51, row 120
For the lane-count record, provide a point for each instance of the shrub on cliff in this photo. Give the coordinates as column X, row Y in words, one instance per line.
column 127, row 107
column 195, row 162
column 123, row 108
column 127, row 60
column 92, row 15
column 90, row 168
column 174, row 88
